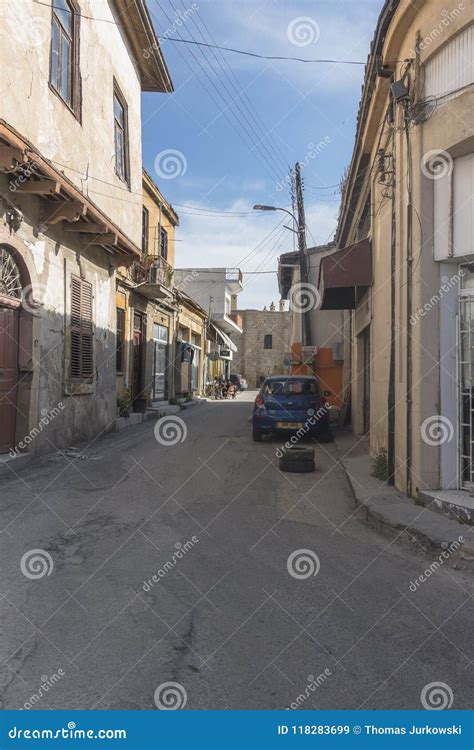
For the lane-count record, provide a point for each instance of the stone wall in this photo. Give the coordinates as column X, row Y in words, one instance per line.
column 252, row 360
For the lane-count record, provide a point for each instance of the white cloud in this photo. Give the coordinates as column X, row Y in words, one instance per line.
column 214, row 241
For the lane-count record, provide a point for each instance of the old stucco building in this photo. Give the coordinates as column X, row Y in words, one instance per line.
column 264, row 344
column 406, row 247
column 70, row 147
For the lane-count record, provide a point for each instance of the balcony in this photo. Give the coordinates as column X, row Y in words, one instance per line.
column 229, row 323
column 153, row 277
column 238, row 319
column 234, row 279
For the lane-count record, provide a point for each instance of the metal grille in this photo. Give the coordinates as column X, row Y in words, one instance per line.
column 10, row 282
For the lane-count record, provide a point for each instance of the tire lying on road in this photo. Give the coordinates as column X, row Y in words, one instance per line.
column 298, row 460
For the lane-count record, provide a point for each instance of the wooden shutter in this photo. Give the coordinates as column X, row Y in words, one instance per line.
column 82, row 345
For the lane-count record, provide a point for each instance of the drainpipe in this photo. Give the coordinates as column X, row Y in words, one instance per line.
column 391, row 377
column 409, row 304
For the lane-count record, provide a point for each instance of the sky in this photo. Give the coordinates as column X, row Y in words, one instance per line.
column 226, row 137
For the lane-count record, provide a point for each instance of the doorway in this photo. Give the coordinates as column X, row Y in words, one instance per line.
column 160, row 362
column 8, row 376
column 364, row 349
column 138, row 354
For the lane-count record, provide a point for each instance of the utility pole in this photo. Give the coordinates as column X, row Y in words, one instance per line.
column 304, row 297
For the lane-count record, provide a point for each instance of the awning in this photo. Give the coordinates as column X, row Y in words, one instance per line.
column 224, row 337
column 341, row 273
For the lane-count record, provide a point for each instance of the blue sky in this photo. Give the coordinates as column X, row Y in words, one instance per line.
column 224, row 139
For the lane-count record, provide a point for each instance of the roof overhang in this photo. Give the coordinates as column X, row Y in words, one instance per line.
column 62, row 201
column 134, row 18
column 343, row 273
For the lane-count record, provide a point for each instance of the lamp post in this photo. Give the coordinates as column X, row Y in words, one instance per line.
column 300, row 229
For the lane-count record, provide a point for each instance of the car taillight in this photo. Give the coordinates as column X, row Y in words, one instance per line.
column 259, row 401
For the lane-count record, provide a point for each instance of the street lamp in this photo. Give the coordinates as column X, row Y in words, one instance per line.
column 300, row 231
column 260, row 207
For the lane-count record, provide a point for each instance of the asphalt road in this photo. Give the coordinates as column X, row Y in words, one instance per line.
column 165, row 563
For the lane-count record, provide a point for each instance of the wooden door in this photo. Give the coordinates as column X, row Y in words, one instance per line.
column 138, row 354
column 8, row 376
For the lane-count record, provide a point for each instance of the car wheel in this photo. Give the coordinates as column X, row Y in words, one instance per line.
column 257, row 435
column 297, row 467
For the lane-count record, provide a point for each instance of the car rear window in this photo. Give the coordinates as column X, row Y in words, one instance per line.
column 286, row 387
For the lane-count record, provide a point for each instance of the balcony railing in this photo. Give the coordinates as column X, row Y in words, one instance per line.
column 152, row 270
column 233, row 275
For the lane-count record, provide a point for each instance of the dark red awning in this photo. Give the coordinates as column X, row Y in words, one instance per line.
column 342, row 272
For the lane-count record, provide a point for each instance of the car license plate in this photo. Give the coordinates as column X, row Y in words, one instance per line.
column 289, row 425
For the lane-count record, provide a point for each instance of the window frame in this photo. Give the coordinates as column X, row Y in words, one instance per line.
column 268, row 339
column 117, row 94
column 163, row 235
column 84, row 330
column 120, row 340
column 74, row 105
column 145, row 230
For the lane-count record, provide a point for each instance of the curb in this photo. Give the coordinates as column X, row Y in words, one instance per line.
column 400, row 517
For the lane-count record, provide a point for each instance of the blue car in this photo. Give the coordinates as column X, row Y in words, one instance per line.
column 291, row 403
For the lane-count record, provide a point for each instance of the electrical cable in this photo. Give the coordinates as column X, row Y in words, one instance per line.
column 269, row 153
column 203, row 44
column 219, row 106
column 243, row 94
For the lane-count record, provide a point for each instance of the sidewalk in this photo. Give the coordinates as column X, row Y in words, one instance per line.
column 389, row 510
column 154, row 412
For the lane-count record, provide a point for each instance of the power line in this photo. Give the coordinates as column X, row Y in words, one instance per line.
column 244, row 96
column 222, row 97
column 265, row 160
column 204, row 44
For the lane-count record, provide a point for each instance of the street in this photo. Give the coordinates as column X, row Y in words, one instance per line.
column 168, row 562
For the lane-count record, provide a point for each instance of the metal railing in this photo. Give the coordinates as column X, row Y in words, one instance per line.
column 152, row 270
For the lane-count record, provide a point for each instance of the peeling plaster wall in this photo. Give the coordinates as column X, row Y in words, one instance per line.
column 50, row 260
column 36, row 111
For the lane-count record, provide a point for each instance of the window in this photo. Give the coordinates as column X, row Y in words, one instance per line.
column 82, row 354
column 120, row 340
column 163, row 243
column 121, row 136
column 145, row 229
column 64, row 66
column 268, row 341
column 289, row 387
